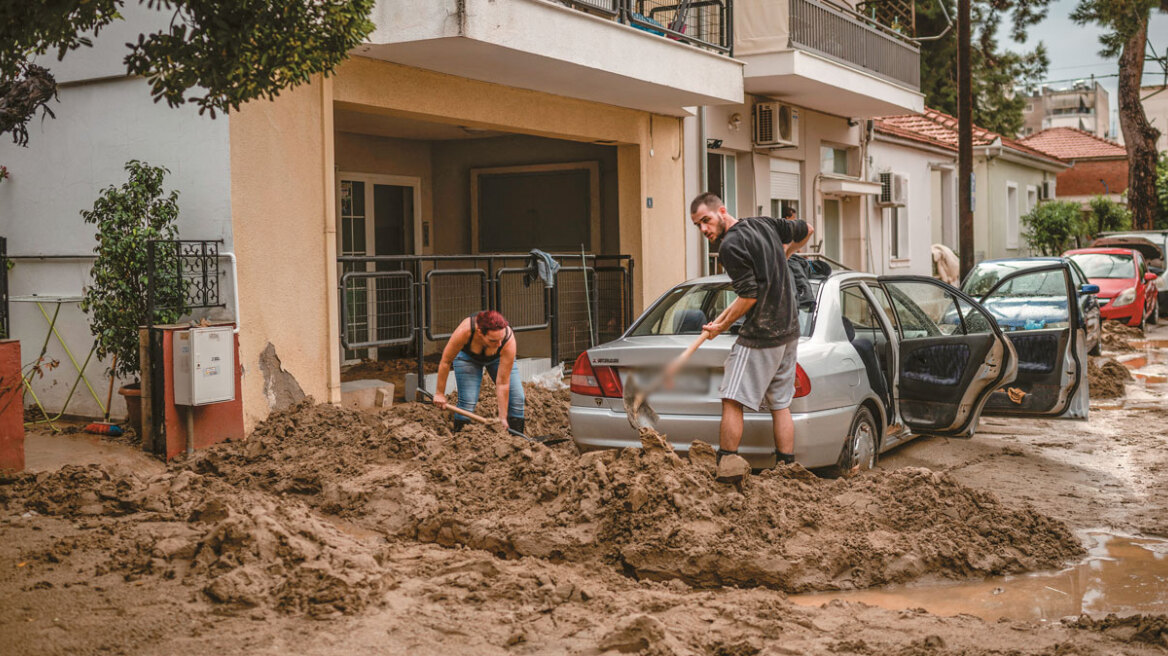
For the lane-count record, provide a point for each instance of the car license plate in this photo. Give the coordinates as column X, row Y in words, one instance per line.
column 687, row 381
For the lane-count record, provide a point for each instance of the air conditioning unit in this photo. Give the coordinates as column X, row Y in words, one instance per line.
column 776, row 125
column 1046, row 191
column 893, row 190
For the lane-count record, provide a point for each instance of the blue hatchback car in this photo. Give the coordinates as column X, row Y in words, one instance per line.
column 1035, row 302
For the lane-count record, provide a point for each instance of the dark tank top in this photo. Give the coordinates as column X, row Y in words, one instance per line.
column 483, row 358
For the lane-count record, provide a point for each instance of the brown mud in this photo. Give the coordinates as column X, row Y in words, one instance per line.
column 1107, row 378
column 410, row 538
column 1116, row 335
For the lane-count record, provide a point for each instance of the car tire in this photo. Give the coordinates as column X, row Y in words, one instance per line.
column 859, row 452
column 1154, row 317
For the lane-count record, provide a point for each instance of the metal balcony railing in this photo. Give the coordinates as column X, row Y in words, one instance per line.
column 856, row 40
column 707, row 24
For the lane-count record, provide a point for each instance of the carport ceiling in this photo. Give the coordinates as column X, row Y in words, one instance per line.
column 397, row 127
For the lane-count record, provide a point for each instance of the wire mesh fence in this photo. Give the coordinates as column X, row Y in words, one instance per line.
column 415, row 301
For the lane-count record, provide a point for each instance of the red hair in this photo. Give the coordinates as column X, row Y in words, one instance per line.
column 489, row 320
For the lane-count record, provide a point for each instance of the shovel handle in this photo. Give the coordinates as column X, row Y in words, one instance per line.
column 457, row 410
column 685, row 355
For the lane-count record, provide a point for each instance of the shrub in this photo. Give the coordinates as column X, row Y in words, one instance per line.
column 1051, row 226
column 127, row 218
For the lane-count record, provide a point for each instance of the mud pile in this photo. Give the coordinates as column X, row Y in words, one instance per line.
column 1107, row 378
column 241, row 549
column 645, row 512
column 1116, row 335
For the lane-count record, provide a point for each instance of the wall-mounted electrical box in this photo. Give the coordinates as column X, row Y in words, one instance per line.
column 204, row 366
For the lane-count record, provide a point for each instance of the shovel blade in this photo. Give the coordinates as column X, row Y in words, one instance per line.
column 637, row 408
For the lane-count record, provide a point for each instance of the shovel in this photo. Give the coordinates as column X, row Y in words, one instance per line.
column 546, row 440
column 640, row 413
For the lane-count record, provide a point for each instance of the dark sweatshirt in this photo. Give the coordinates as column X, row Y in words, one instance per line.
column 752, row 254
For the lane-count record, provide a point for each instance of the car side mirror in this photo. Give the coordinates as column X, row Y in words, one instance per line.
column 1089, row 289
column 1149, row 276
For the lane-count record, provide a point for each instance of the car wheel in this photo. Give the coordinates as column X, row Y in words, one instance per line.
column 859, row 452
column 1143, row 323
column 1154, row 317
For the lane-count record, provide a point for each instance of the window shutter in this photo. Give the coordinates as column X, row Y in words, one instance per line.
column 784, row 185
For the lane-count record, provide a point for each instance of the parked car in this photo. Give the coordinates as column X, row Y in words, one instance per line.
column 881, row 360
column 1127, row 289
column 1041, row 302
column 1155, row 262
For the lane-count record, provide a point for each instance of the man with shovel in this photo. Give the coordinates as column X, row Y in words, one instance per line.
column 761, row 364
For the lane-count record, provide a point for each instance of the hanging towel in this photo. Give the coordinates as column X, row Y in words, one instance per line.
column 542, row 266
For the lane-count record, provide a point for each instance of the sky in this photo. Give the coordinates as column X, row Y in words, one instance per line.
column 1074, row 50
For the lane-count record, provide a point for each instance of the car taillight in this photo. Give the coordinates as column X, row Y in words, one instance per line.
column 802, row 382
column 595, row 381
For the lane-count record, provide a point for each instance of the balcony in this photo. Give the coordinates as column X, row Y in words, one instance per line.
column 827, row 57
column 642, row 54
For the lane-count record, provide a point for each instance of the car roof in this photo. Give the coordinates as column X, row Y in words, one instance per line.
column 719, row 278
column 1042, row 258
column 1102, row 251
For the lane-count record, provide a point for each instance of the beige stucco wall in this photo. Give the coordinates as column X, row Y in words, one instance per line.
column 284, row 230
column 815, row 130
column 283, row 197
column 363, row 153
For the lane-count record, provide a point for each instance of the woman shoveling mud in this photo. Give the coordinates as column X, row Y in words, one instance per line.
column 482, row 341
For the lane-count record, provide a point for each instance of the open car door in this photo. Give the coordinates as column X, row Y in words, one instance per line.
column 951, row 356
column 1039, row 311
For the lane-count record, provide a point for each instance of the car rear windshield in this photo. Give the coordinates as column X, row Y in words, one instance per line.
column 685, row 309
column 1105, row 265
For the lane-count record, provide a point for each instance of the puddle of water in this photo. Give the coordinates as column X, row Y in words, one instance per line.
column 1120, row 575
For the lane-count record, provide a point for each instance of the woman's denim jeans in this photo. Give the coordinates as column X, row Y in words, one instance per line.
column 468, row 375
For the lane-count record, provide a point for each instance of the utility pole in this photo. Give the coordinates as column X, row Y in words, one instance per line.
column 964, row 141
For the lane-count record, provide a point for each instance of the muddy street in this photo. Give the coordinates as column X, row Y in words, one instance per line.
column 331, row 532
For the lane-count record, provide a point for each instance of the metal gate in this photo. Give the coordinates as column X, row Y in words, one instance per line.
column 422, row 299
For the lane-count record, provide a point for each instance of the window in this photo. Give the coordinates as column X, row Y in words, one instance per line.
column 1031, row 198
column 885, row 304
column 898, row 233
column 686, row 308
column 925, row 310
column 784, row 182
column 722, row 179
column 1012, row 215
column 833, row 160
column 857, row 310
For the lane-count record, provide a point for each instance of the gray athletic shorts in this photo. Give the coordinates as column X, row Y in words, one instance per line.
column 754, row 375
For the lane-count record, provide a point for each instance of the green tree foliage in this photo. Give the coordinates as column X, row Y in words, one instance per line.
column 127, row 218
column 217, row 54
column 1106, row 215
column 1161, row 222
column 1125, row 24
column 996, row 73
column 1051, row 227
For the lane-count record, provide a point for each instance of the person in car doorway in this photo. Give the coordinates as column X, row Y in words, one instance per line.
column 483, row 341
column 761, row 364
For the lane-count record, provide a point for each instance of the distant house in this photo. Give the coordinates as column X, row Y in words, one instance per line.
column 1098, row 166
column 1083, row 106
column 1155, row 102
column 1010, row 178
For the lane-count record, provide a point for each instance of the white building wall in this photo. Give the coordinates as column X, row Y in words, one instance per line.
column 918, row 166
column 103, row 119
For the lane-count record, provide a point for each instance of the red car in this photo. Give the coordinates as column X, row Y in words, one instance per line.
column 1127, row 290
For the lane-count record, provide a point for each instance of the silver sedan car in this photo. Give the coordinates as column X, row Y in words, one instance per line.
column 880, row 361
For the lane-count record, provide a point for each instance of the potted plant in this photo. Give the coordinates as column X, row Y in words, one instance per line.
column 127, row 218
